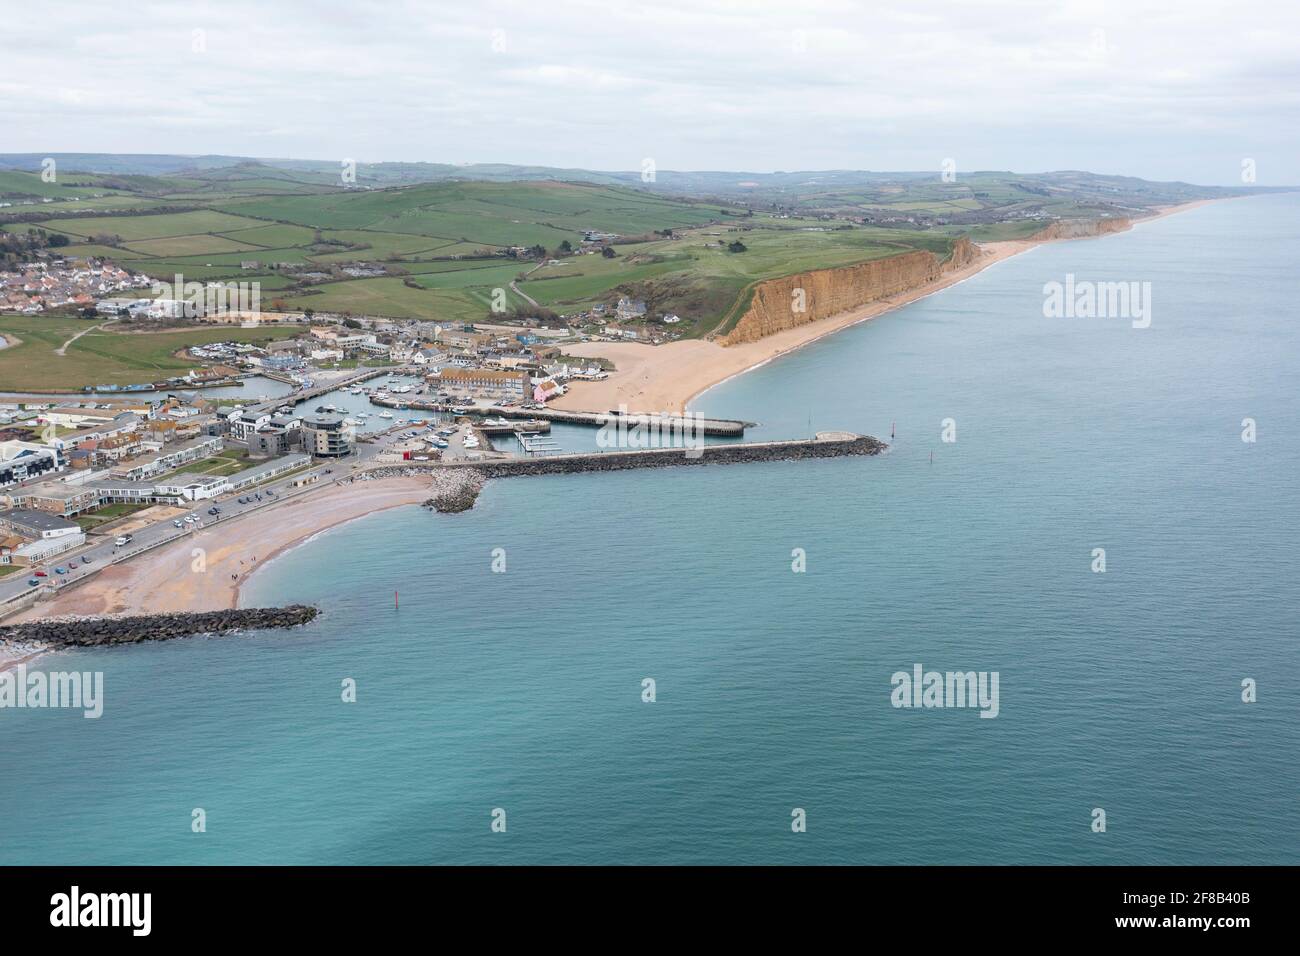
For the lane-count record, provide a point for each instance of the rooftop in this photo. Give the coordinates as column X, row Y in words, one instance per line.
column 37, row 520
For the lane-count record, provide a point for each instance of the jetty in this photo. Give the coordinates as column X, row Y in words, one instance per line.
column 686, row 424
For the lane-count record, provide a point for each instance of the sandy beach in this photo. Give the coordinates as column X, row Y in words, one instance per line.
column 165, row 579
column 650, row 378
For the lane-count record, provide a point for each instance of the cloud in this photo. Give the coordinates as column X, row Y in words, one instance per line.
column 1129, row 87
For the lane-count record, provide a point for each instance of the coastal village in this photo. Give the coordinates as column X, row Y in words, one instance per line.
column 128, row 466
column 265, row 405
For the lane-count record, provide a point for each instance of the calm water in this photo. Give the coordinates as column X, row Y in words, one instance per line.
column 522, row 690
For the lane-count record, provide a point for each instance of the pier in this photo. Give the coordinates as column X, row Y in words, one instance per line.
column 682, row 424
column 534, row 426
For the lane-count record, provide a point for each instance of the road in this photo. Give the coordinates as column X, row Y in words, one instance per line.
column 102, row 552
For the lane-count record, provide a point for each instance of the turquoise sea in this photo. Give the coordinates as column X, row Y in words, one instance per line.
column 523, row 690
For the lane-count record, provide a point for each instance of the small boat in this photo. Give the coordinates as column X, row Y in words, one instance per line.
column 385, row 414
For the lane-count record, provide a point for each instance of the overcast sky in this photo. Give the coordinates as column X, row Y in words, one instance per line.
column 1172, row 90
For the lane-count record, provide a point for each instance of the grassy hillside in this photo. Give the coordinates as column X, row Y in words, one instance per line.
column 435, row 232
column 102, row 355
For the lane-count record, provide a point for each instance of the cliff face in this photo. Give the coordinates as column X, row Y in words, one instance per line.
column 828, row 292
column 1081, row 229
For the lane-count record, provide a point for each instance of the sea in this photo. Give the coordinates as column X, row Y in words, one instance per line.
column 707, row 665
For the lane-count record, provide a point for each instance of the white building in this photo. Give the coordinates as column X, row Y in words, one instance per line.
column 192, row 487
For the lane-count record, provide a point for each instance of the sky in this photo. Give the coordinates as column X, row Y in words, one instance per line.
column 1185, row 90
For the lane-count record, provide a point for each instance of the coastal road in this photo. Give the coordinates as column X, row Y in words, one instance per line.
column 104, row 552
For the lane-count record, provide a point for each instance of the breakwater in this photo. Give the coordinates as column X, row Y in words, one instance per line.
column 825, row 445
column 456, row 484
column 98, row 631
column 452, row 489
column 445, row 473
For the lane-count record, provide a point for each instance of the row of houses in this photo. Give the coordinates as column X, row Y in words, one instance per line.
column 36, row 286
column 64, row 499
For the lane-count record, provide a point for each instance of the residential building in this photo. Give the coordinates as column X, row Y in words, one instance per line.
column 486, row 382
column 244, row 424
column 60, row 498
column 326, row 436
column 45, row 535
column 630, row 309
column 22, row 460
column 267, row 470
column 188, row 486
column 167, row 458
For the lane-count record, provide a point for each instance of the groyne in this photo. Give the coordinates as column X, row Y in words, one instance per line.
column 99, row 631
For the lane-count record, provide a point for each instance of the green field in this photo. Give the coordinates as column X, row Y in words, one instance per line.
column 103, row 356
column 439, row 233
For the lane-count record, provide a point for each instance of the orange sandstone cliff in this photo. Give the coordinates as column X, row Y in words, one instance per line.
column 827, row 292
column 1081, row 229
